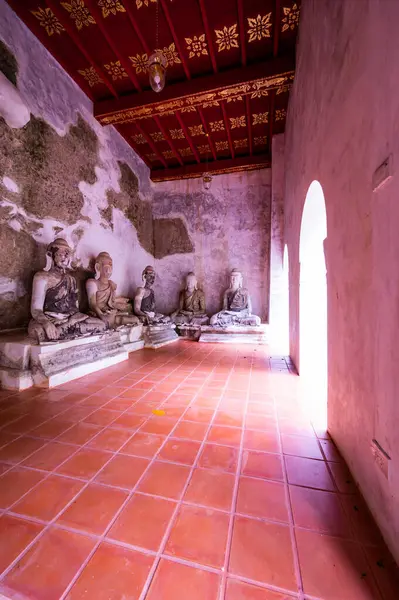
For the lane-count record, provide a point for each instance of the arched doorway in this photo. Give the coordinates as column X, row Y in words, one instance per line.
column 313, row 305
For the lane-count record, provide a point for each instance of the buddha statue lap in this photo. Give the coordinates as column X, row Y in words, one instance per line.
column 114, row 311
column 237, row 306
column 144, row 301
column 191, row 309
column 54, row 306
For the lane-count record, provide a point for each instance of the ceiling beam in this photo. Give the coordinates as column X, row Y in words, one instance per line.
column 249, row 123
column 188, row 136
column 63, row 19
column 169, row 140
column 129, row 140
column 209, row 36
column 276, row 29
column 241, row 25
column 175, row 38
column 271, row 118
column 227, row 127
column 226, row 165
column 207, row 132
column 190, row 93
column 124, row 62
column 129, row 10
column 151, row 144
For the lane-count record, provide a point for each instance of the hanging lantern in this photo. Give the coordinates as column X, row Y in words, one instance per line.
column 207, row 180
column 157, row 71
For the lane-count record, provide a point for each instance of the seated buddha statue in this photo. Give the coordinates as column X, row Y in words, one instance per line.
column 54, row 306
column 113, row 310
column 191, row 309
column 144, row 301
column 237, row 307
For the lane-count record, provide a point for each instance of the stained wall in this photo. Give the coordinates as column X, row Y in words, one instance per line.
column 343, row 122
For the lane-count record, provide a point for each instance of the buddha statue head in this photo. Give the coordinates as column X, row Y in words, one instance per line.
column 191, row 282
column 59, row 255
column 149, row 276
column 103, row 266
column 235, row 279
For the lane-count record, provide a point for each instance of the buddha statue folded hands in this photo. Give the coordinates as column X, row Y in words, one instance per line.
column 114, row 311
column 55, row 305
column 191, row 309
column 237, row 306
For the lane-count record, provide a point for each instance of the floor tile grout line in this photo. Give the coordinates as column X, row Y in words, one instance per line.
column 180, row 503
column 16, row 560
column 229, row 540
column 124, row 504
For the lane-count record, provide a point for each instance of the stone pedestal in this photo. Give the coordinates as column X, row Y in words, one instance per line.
column 24, row 363
column 235, row 334
column 156, row 336
column 190, row 332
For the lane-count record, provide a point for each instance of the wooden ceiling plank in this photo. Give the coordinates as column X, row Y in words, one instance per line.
column 223, row 165
column 129, row 10
column 249, row 124
column 198, row 85
column 175, row 38
column 187, row 136
column 227, row 127
column 241, row 24
column 151, row 144
column 206, row 129
column 168, row 139
column 75, row 38
column 208, row 35
column 276, row 28
column 125, row 63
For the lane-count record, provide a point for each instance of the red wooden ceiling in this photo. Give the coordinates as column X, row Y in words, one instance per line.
column 239, row 53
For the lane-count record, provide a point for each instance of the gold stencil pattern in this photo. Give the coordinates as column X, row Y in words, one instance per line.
column 238, row 122
column 259, row 94
column 196, row 130
column 217, row 125
column 110, row 7
column 227, row 38
column 140, row 62
column 203, row 149
column 48, row 20
column 291, row 18
column 259, row 27
column 258, row 119
column 281, row 113
column 260, row 141
column 116, row 70
column 91, row 76
column 170, row 54
column 188, row 109
column 139, row 139
column 168, row 154
column 176, row 134
column 79, row 13
column 158, row 136
column 243, row 143
column 210, row 104
column 140, row 3
column 196, row 46
column 222, row 145
column 152, row 157
column 185, row 151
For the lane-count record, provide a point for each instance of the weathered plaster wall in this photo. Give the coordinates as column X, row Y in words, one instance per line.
column 343, row 121
column 63, row 174
column 228, row 226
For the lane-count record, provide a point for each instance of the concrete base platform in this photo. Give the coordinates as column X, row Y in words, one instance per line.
column 156, row 336
column 234, row 334
column 25, row 363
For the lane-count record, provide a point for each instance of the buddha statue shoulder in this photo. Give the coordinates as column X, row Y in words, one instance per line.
column 113, row 310
column 192, row 310
column 237, row 306
column 55, row 302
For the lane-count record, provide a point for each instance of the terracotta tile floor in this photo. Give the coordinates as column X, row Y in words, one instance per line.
column 190, row 473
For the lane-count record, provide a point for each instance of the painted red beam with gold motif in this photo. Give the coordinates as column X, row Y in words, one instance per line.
column 188, row 137
column 175, row 38
column 228, row 165
column 207, row 133
column 197, row 92
column 169, row 140
column 151, row 145
column 208, row 35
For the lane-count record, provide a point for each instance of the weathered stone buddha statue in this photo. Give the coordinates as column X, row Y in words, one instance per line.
column 191, row 305
column 113, row 310
column 54, row 306
column 237, row 307
column 144, row 301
